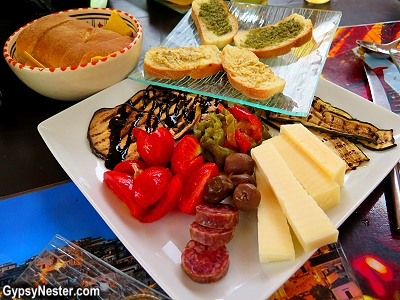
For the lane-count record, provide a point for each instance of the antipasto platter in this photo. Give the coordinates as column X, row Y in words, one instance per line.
column 158, row 245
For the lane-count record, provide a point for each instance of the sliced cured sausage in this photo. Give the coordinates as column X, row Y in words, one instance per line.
column 210, row 236
column 204, row 264
column 218, row 216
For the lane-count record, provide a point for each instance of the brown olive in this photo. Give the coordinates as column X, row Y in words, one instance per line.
column 241, row 178
column 217, row 189
column 246, row 197
column 239, row 163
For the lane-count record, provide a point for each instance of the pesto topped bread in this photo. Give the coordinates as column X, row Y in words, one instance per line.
column 215, row 24
column 277, row 39
column 249, row 75
column 176, row 63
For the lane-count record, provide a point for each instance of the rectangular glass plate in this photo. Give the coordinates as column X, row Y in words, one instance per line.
column 157, row 246
column 301, row 67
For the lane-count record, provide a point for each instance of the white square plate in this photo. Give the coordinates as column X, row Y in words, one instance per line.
column 157, row 245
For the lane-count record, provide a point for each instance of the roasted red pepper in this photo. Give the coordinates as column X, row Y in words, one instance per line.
column 186, row 157
column 150, row 185
column 121, row 184
column 155, row 148
column 248, row 123
column 131, row 167
column 193, row 190
column 167, row 201
column 241, row 141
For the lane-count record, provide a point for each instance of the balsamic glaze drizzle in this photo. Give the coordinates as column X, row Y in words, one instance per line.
column 156, row 107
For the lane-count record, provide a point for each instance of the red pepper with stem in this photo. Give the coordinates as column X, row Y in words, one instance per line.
column 121, row 184
column 131, row 166
column 155, row 148
column 150, row 185
column 186, row 157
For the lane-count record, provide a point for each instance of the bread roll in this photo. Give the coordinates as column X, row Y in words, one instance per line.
column 28, row 36
column 277, row 39
column 215, row 24
column 69, row 40
column 248, row 75
column 61, row 33
column 57, row 40
column 106, row 48
column 94, row 37
column 176, row 63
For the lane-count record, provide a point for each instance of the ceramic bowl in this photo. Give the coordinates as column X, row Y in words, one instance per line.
column 78, row 82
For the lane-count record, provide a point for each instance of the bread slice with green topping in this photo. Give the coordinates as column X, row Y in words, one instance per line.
column 277, row 39
column 215, row 24
column 249, row 75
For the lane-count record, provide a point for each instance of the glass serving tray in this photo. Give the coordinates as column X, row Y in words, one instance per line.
column 301, row 67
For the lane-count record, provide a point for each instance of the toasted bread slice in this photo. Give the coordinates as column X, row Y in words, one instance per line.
column 248, row 75
column 277, row 39
column 215, row 24
column 176, row 63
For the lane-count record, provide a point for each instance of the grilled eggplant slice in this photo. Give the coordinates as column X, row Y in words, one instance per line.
column 109, row 131
column 321, row 106
column 345, row 149
column 326, row 118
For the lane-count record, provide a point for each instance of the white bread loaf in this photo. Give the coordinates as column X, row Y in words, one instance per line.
column 57, row 40
column 176, row 63
column 221, row 20
column 248, row 75
column 277, row 39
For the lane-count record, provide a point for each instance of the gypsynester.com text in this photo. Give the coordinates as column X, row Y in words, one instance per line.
column 42, row 291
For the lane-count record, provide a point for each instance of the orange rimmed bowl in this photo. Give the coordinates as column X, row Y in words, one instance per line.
column 78, row 82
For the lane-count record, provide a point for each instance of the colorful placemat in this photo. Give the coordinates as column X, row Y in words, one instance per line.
column 345, row 68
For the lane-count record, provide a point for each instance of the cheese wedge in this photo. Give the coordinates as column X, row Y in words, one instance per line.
column 320, row 153
column 313, row 179
column 308, row 221
column 274, row 238
column 117, row 24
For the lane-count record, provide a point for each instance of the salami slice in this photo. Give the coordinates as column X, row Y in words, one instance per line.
column 221, row 215
column 204, row 264
column 210, row 236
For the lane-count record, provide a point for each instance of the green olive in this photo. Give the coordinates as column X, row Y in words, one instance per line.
column 246, row 197
column 217, row 189
column 239, row 163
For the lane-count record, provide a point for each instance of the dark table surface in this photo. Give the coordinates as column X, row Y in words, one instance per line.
column 27, row 164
